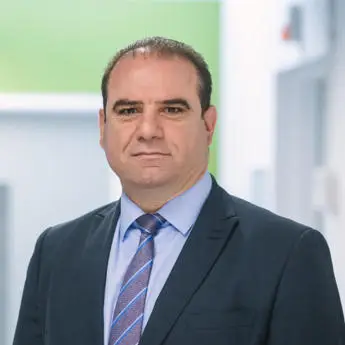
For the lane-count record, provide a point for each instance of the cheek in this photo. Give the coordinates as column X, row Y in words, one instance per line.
column 109, row 139
column 115, row 138
column 187, row 141
column 112, row 146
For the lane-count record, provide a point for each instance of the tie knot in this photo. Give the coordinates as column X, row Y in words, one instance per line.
column 150, row 223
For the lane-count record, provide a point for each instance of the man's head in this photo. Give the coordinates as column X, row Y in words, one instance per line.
column 165, row 47
column 157, row 122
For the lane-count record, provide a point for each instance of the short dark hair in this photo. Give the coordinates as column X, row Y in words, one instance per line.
column 166, row 47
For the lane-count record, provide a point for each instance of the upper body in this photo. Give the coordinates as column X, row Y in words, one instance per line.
column 241, row 275
column 244, row 276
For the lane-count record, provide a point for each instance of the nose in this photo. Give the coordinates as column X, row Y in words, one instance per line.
column 149, row 126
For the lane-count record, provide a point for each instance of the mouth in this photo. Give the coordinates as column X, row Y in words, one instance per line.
column 150, row 154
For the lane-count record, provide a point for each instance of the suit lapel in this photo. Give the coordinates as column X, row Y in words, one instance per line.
column 211, row 232
column 92, row 275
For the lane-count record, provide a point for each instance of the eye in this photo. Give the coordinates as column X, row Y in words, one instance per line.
column 173, row 110
column 128, row 111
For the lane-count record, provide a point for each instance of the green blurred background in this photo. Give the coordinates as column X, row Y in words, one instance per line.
column 64, row 46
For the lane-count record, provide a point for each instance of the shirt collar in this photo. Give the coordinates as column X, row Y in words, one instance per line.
column 181, row 212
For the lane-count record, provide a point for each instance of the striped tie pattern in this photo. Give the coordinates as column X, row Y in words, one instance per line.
column 129, row 311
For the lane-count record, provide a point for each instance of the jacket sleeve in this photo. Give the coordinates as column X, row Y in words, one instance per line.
column 29, row 325
column 307, row 309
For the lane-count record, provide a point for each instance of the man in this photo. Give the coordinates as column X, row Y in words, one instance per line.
column 176, row 260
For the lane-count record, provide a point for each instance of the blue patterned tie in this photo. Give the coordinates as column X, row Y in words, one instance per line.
column 129, row 311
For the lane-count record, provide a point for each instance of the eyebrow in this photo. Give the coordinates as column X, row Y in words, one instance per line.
column 176, row 101
column 126, row 102
column 173, row 101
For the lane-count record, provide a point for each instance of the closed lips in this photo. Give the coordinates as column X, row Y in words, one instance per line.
column 150, row 154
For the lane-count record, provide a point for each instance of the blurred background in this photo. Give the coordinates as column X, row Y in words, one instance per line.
column 278, row 68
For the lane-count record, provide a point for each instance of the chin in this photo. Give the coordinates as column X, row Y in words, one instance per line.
column 151, row 180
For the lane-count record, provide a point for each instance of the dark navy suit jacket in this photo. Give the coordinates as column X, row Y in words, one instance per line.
column 244, row 277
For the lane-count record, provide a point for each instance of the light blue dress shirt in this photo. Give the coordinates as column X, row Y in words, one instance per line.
column 181, row 212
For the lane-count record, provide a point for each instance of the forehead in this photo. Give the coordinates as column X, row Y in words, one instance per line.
column 158, row 76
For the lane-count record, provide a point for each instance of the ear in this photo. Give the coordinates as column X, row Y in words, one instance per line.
column 210, row 119
column 101, row 124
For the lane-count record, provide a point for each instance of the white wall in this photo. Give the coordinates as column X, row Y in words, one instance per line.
column 336, row 149
column 253, row 54
column 246, row 133
column 298, row 142
column 55, row 171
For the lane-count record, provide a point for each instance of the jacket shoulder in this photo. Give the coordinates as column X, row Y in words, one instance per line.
column 258, row 222
column 76, row 226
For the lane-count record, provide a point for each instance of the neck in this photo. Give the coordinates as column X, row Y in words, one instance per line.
column 150, row 200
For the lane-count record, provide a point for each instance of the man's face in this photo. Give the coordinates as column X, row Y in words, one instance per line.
column 154, row 134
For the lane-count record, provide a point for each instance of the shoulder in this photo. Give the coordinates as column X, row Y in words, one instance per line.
column 78, row 227
column 259, row 225
column 267, row 240
column 253, row 216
